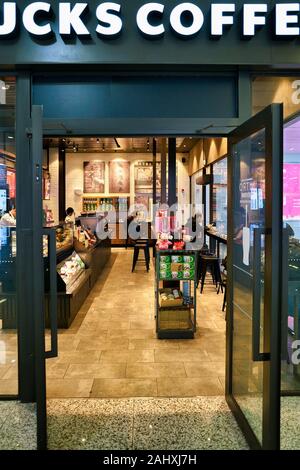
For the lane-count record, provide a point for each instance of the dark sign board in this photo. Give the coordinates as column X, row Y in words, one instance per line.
column 140, row 32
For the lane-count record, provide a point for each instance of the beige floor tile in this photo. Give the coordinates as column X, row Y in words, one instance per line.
column 91, row 344
column 142, row 324
column 153, row 344
column 217, row 355
column 8, row 387
column 222, row 382
column 3, row 369
column 71, row 388
column 124, row 388
column 182, row 355
column 12, row 373
column 100, row 370
column 56, row 370
column 8, row 357
column 204, row 369
column 112, row 344
column 77, row 357
column 129, row 357
column 141, row 334
column 189, row 387
column 153, row 370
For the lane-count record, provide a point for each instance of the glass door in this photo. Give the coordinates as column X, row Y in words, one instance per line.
column 254, row 262
column 44, row 260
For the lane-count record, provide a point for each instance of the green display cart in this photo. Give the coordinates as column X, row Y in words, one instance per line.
column 175, row 293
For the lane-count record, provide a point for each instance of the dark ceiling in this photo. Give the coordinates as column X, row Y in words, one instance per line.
column 96, row 144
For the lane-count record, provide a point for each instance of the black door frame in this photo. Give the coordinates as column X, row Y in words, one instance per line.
column 270, row 119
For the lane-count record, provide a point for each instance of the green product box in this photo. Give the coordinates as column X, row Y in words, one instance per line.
column 177, row 259
column 189, row 259
column 165, row 259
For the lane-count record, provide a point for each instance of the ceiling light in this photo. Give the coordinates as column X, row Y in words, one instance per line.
column 10, row 137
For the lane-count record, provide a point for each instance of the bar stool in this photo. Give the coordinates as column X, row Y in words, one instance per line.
column 223, row 285
column 141, row 245
column 211, row 263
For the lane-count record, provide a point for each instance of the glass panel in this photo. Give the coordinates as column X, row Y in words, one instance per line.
column 8, row 319
column 290, row 370
column 249, row 214
column 268, row 90
column 196, row 193
column 220, row 196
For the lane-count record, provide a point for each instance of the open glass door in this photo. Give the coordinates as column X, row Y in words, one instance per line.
column 254, row 270
column 44, row 260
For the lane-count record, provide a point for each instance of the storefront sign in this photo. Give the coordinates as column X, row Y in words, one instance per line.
column 185, row 19
column 140, row 32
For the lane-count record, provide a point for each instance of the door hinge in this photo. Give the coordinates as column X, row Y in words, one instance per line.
column 29, row 133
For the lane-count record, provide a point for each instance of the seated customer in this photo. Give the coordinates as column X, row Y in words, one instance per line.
column 9, row 218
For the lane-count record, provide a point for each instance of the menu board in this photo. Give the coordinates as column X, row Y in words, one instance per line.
column 94, row 177
column 119, row 177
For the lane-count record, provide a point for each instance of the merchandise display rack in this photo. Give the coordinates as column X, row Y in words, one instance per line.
column 176, row 318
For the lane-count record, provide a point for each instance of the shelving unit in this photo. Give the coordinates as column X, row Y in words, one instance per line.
column 105, row 204
column 176, row 270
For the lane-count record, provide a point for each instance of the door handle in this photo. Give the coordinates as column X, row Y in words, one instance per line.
column 256, row 295
column 51, row 234
column 285, row 295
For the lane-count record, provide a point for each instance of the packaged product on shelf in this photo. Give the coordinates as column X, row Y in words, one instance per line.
column 165, row 259
column 188, row 259
column 176, row 267
column 177, row 259
column 177, row 275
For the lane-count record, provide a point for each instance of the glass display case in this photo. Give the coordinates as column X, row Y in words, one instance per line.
column 70, row 270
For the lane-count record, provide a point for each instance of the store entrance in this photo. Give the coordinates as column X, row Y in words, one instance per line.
column 163, row 353
column 108, row 324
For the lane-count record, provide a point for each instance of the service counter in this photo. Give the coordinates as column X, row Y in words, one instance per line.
column 78, row 268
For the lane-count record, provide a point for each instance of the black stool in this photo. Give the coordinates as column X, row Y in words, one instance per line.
column 208, row 262
column 223, row 285
column 141, row 245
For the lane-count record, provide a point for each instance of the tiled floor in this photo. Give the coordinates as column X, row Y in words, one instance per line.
column 111, row 349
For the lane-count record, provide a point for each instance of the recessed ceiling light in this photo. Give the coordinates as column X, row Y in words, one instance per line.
column 10, row 137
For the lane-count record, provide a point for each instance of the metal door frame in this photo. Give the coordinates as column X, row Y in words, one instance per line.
column 270, row 119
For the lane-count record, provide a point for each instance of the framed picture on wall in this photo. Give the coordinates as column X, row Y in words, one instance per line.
column 46, row 185
column 143, row 176
column 94, row 177
column 119, row 177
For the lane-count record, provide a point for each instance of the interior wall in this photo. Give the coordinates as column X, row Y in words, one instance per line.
column 74, row 175
column 205, row 152
column 52, row 203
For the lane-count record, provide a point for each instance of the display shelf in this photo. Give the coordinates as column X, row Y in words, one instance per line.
column 105, row 204
column 177, row 268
